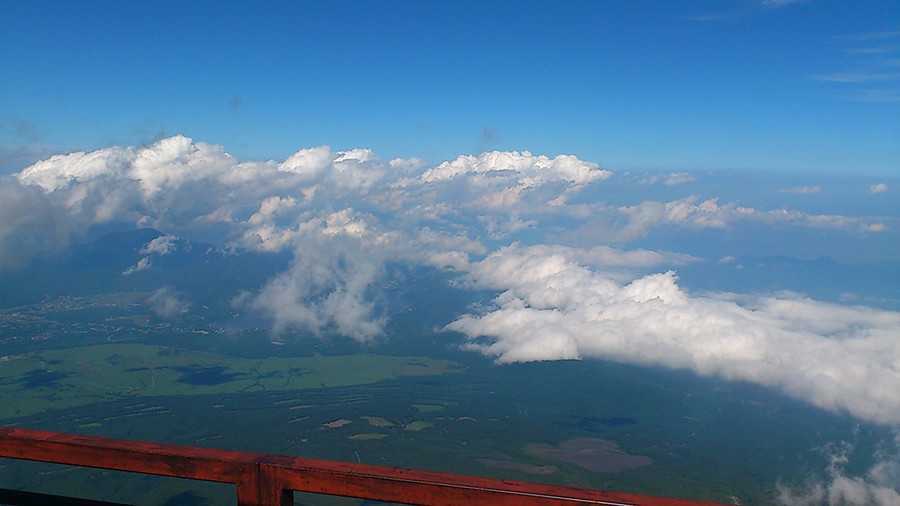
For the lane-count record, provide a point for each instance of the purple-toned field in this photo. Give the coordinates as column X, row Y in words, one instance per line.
column 598, row 455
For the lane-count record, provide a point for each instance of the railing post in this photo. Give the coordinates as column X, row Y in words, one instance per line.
column 248, row 490
column 272, row 491
column 259, row 485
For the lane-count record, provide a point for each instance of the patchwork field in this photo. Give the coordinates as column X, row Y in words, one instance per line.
column 598, row 455
column 56, row 379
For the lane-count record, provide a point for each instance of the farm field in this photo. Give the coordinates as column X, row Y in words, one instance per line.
column 56, row 379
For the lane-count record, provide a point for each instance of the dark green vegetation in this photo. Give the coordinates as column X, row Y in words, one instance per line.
column 101, row 363
column 57, row 379
column 706, row 439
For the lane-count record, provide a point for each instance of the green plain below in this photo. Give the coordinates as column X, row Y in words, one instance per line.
column 57, row 379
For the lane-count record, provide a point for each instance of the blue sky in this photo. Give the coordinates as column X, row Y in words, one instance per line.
column 797, row 86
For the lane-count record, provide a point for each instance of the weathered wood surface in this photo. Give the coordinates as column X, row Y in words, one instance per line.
column 269, row 480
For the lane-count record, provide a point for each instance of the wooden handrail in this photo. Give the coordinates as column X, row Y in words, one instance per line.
column 270, row 480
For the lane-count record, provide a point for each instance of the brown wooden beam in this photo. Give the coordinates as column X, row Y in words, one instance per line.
column 440, row 489
column 269, row 480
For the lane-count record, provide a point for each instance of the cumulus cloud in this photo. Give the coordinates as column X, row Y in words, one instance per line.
column 836, row 357
column 270, row 208
column 525, row 168
column 196, row 189
column 878, row 188
column 499, row 182
column 329, row 285
column 174, row 181
column 332, row 284
column 162, row 245
column 190, row 188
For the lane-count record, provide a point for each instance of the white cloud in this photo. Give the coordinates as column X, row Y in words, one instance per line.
column 339, row 260
column 185, row 187
column 60, row 171
column 407, row 166
column 857, row 77
column 802, row 190
column 167, row 303
column 869, row 36
column 672, row 179
column 308, row 163
column 879, row 486
column 878, row 188
column 173, row 162
column 835, row 357
column 271, row 207
column 328, row 287
column 602, row 256
column 177, row 180
column 869, row 72
column 444, row 241
column 527, row 169
column 778, row 3
column 503, row 227
column 143, row 264
column 162, row 245
column 640, row 219
column 498, row 182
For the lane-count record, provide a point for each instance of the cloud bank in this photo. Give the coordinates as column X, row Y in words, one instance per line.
column 504, row 221
column 551, row 308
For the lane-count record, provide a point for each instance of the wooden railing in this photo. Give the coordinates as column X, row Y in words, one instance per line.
column 270, row 480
